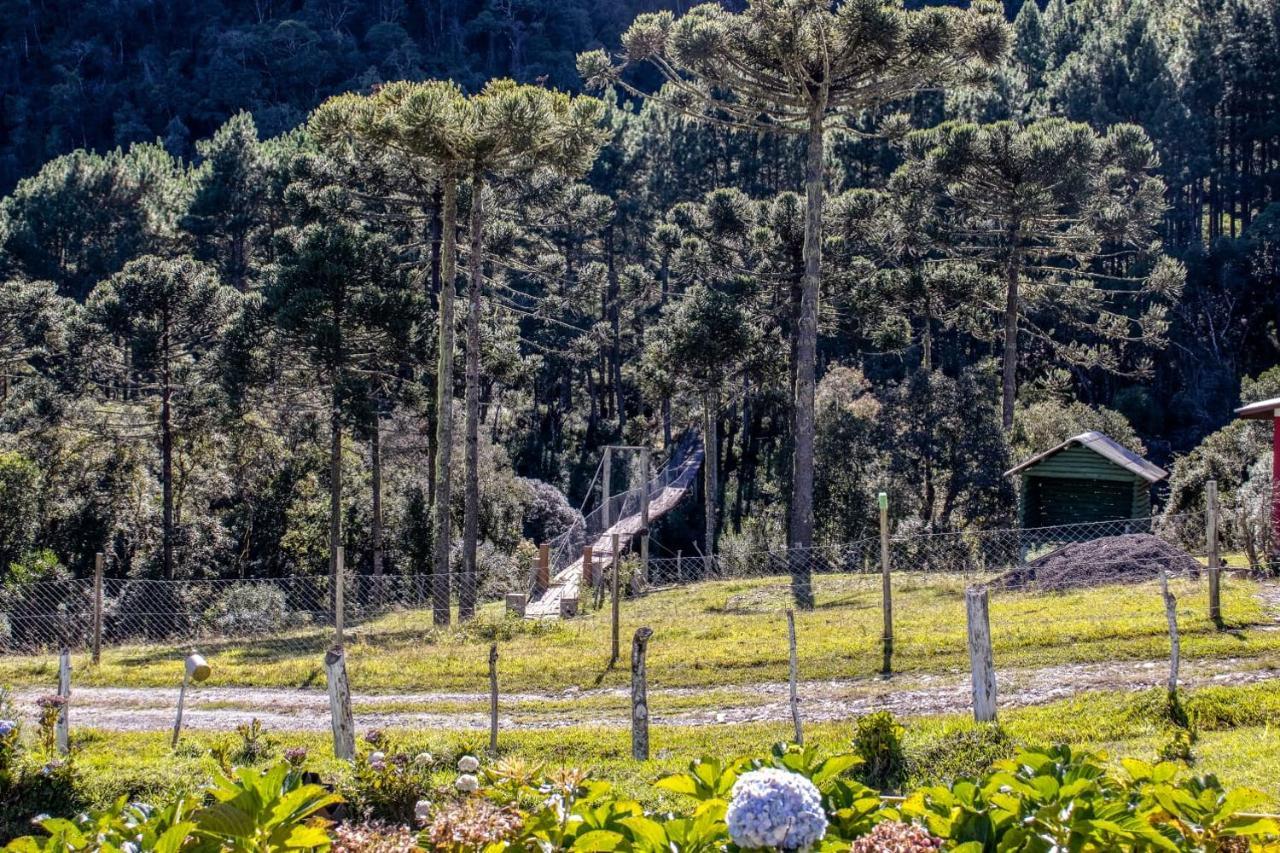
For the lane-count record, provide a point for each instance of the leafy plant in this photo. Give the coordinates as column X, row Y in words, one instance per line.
column 257, row 810
column 877, row 740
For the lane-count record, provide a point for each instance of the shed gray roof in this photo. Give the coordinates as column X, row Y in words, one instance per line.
column 1105, row 447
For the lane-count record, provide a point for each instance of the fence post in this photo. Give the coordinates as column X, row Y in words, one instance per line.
column 588, row 571
column 1215, row 562
column 344, row 727
column 617, row 565
column 544, row 567
column 640, row 695
column 1175, row 646
column 339, row 595
column 679, row 566
column 493, row 699
column 981, row 661
column 608, row 483
column 64, row 690
column 885, row 585
column 643, row 580
column 795, row 698
column 644, row 488
column 97, row 607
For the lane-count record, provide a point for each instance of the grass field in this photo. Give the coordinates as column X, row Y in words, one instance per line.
column 1239, row 740
column 719, row 634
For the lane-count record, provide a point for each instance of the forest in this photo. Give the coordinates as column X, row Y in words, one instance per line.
column 389, row 274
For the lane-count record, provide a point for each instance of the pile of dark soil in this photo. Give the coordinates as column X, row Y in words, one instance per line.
column 1132, row 558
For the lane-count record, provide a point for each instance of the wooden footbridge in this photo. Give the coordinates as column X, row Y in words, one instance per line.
column 575, row 559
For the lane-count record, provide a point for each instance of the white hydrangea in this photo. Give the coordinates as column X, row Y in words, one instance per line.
column 422, row 812
column 775, row 808
column 468, row 764
column 378, row 760
column 467, row 783
column 422, row 759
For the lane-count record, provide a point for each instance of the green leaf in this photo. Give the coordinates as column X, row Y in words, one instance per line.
column 599, row 840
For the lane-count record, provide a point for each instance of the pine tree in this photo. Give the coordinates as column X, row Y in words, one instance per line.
column 1065, row 219
column 799, row 67
column 168, row 316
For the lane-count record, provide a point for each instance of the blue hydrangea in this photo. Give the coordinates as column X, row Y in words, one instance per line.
column 7, row 727
column 775, row 808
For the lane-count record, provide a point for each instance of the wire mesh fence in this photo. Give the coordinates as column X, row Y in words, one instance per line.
column 1070, row 608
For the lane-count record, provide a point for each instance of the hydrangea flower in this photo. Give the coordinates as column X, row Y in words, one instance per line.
column 422, row 812
column 378, row 760
column 775, row 808
column 467, row 783
column 468, row 764
column 7, row 727
column 296, row 755
column 422, row 759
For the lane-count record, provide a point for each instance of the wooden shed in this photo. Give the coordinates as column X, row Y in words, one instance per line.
column 1088, row 478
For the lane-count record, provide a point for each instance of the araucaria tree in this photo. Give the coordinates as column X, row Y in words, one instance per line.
column 1065, row 219
column 506, row 131
column 343, row 309
column 167, row 318
column 803, row 67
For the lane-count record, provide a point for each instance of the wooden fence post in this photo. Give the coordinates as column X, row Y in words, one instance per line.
column 608, row 487
column 679, row 566
column 643, row 578
column 493, row 699
column 588, row 572
column 640, row 695
column 795, row 697
column 97, row 607
column 644, row 488
column 1175, row 646
column 344, row 726
column 339, row 596
column 544, row 567
column 616, row 650
column 886, row 588
column 64, row 690
column 1215, row 562
column 981, row 660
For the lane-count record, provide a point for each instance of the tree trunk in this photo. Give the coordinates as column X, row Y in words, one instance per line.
column 433, row 295
column 806, row 365
column 471, row 520
column 166, row 453
column 444, row 398
column 1009, row 381
column 615, row 327
column 711, row 479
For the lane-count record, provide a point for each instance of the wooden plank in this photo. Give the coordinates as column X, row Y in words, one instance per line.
column 493, row 699
column 64, row 690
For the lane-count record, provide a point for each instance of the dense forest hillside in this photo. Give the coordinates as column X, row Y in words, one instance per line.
column 221, row 344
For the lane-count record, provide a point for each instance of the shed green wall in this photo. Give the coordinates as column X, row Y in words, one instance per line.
column 1070, row 473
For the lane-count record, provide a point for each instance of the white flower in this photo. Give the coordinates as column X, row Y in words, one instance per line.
column 129, row 847
column 422, row 811
column 775, row 808
column 378, row 760
column 422, row 759
column 468, row 764
column 467, row 783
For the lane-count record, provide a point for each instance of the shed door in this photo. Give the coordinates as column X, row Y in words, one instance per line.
column 1063, row 500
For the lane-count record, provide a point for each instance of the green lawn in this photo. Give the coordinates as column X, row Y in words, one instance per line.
column 719, row 634
column 1239, row 740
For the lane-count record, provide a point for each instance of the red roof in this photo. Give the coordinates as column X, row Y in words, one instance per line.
column 1265, row 410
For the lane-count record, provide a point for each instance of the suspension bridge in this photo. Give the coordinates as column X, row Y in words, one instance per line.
column 624, row 515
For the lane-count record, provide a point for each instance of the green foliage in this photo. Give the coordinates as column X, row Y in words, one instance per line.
column 877, row 740
column 19, row 523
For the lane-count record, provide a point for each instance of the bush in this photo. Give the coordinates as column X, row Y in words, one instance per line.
column 877, row 740
column 250, row 608
column 965, row 752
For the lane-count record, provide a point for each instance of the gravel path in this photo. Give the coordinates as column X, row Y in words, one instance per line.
column 222, row 708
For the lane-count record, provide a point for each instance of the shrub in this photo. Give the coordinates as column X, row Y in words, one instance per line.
column 965, row 752
column 877, row 740
column 388, row 780
column 251, row 609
